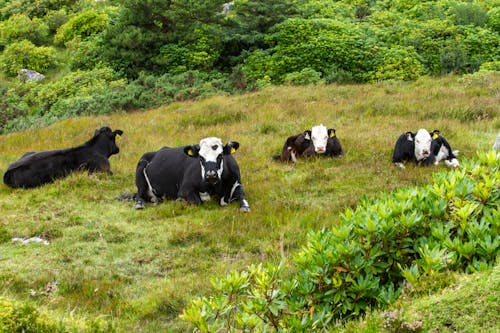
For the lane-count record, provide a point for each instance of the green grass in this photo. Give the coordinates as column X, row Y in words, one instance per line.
column 140, row 268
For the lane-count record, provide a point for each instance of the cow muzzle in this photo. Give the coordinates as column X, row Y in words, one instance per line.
column 211, row 177
column 320, row 150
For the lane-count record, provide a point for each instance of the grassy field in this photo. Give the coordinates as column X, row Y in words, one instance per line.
column 140, row 268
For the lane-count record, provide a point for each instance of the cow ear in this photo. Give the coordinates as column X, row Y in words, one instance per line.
column 307, row 135
column 435, row 134
column 410, row 136
column 331, row 132
column 117, row 134
column 231, row 147
column 192, row 150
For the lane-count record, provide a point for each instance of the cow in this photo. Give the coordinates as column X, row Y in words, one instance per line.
column 317, row 141
column 441, row 150
column 423, row 149
column 38, row 168
column 192, row 173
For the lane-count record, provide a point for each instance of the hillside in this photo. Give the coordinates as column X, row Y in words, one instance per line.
column 138, row 269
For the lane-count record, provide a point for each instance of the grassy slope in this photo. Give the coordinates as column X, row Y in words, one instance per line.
column 141, row 267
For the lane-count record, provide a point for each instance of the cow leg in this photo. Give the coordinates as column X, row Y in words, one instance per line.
column 236, row 193
column 142, row 184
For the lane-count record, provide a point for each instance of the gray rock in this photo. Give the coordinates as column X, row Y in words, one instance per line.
column 26, row 75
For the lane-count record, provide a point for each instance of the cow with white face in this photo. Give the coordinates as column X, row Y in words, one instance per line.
column 423, row 148
column 193, row 173
column 317, row 141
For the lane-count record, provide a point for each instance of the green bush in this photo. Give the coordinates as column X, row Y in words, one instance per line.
column 83, row 25
column 398, row 63
column 451, row 224
column 494, row 19
column 19, row 27
column 25, row 54
column 469, row 14
column 305, row 76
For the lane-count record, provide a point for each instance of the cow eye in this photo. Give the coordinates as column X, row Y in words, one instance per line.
column 214, row 147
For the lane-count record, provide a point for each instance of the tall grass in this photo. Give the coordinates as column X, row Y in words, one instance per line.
column 139, row 268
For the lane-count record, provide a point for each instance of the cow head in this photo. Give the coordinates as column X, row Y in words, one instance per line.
column 211, row 153
column 105, row 139
column 319, row 136
column 423, row 141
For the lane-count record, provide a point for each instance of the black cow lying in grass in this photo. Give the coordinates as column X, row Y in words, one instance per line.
column 317, row 141
column 38, row 168
column 423, row 148
column 192, row 173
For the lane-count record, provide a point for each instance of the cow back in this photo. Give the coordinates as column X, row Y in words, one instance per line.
column 169, row 168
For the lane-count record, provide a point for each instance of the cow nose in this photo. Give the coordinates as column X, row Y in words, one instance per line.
column 211, row 176
column 320, row 149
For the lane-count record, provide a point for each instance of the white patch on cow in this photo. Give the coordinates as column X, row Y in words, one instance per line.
column 235, row 185
column 204, row 196
column 423, row 142
column 210, row 148
column 442, row 154
column 150, row 192
column 319, row 137
column 453, row 163
column 222, row 202
column 245, row 207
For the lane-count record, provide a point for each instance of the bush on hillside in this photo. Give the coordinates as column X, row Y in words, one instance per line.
column 82, row 25
column 19, row 27
column 25, row 54
column 451, row 224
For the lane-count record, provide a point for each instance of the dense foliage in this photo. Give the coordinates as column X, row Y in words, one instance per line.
column 451, row 224
column 231, row 47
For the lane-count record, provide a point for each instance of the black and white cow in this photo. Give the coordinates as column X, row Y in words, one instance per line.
column 193, row 173
column 317, row 141
column 38, row 168
column 423, row 149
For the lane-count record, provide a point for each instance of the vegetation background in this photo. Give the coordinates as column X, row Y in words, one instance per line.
column 373, row 69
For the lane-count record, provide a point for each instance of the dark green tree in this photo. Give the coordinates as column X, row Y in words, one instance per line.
column 134, row 39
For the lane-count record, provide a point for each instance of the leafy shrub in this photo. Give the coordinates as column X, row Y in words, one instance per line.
column 26, row 55
column 494, row 19
column 83, row 25
column 305, row 76
column 469, row 14
column 19, row 27
column 55, row 19
column 400, row 64
column 451, row 224
column 490, row 66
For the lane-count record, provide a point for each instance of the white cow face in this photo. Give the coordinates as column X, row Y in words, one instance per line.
column 211, row 153
column 319, row 137
column 423, row 142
